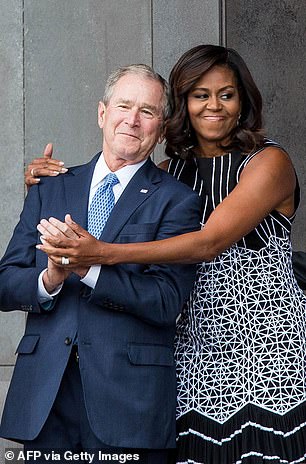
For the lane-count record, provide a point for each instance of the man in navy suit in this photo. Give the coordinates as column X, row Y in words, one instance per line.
column 95, row 368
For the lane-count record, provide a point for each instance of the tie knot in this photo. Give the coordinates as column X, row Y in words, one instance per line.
column 111, row 179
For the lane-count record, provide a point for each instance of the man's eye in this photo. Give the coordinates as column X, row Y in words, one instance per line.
column 147, row 113
column 123, row 107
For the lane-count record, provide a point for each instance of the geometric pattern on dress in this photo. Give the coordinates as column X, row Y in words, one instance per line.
column 102, row 205
column 248, row 349
column 240, row 343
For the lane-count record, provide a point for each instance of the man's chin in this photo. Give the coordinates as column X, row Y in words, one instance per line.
column 129, row 151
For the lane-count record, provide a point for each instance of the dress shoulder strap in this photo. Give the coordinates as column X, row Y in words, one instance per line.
column 267, row 143
column 250, row 156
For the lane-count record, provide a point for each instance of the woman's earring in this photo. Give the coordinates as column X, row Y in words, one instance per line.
column 238, row 119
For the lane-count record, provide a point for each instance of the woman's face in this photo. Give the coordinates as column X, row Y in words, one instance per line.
column 214, row 107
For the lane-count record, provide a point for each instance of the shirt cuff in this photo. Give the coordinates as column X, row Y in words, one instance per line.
column 90, row 279
column 42, row 295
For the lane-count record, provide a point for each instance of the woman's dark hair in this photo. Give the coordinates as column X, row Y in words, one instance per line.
column 180, row 136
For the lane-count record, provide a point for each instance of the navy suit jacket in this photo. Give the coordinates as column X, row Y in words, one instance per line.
column 125, row 325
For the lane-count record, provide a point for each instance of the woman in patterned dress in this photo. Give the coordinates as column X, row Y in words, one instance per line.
column 241, row 339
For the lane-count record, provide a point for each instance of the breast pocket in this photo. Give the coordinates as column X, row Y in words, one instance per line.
column 150, row 355
column 138, row 232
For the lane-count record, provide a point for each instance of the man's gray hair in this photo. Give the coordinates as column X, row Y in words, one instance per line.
column 141, row 70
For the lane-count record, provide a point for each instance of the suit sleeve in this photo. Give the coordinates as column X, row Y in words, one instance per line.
column 154, row 293
column 18, row 270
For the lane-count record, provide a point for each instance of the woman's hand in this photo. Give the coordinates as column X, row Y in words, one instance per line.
column 44, row 166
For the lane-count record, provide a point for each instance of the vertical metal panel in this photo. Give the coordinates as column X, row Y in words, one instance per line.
column 222, row 23
column 12, row 327
column 66, row 51
column 5, row 376
column 177, row 26
column 11, row 160
column 271, row 36
column 11, row 110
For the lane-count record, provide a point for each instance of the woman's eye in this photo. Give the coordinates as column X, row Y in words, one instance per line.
column 226, row 96
column 201, row 96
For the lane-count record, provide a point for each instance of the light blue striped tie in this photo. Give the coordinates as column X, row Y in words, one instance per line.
column 102, row 205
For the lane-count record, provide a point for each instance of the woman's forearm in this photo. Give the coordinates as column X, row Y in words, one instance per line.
column 188, row 248
column 86, row 250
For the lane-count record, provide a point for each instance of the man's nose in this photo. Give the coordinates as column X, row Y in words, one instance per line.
column 132, row 118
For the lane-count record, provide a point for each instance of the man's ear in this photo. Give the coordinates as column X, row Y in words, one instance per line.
column 101, row 114
column 161, row 137
column 162, row 133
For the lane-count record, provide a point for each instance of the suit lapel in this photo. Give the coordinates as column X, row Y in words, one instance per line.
column 139, row 189
column 77, row 184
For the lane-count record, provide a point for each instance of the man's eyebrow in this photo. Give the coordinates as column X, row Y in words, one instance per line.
column 153, row 108
column 122, row 100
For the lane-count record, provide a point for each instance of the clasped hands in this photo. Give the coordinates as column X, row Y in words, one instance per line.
column 68, row 239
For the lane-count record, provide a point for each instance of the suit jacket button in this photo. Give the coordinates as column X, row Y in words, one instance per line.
column 68, row 341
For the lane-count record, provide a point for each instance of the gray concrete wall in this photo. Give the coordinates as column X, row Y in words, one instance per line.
column 11, row 162
column 55, row 57
column 271, row 36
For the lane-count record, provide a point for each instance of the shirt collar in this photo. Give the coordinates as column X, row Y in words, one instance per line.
column 124, row 174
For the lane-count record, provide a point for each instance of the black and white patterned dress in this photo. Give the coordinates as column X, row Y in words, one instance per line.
column 241, row 340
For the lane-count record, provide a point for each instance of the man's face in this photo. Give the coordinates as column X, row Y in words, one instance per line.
column 132, row 120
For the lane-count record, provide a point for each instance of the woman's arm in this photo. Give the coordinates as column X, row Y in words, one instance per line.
column 267, row 183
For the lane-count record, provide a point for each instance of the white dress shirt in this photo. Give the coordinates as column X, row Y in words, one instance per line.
column 101, row 170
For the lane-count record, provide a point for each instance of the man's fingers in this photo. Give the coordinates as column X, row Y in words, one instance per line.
column 63, row 227
column 56, row 229
column 56, row 260
column 49, row 231
column 80, row 232
column 56, row 255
